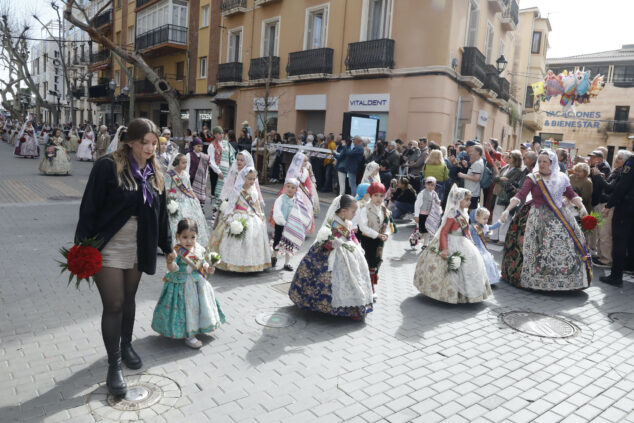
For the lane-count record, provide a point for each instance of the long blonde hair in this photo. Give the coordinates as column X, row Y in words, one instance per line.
column 136, row 131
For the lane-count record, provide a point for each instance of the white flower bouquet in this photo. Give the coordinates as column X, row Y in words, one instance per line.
column 238, row 228
column 212, row 258
column 454, row 260
column 172, row 207
column 223, row 206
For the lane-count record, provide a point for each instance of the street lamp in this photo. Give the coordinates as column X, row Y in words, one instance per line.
column 112, row 84
column 501, row 63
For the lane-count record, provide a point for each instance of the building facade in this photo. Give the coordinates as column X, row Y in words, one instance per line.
column 179, row 40
column 423, row 68
column 607, row 120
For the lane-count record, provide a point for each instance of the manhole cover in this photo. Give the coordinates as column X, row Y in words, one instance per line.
column 150, row 393
column 621, row 316
column 275, row 319
column 538, row 324
column 64, row 198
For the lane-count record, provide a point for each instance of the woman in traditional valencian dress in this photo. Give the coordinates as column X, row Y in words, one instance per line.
column 86, row 150
column 181, row 201
column 243, row 159
column 56, row 160
column 26, row 144
column 333, row 277
column 545, row 248
column 73, row 140
column 244, row 249
column 467, row 282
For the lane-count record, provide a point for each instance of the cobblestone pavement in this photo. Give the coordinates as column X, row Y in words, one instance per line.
column 413, row 359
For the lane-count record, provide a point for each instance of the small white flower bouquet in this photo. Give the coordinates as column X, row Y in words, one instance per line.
column 172, row 207
column 454, row 260
column 223, row 206
column 212, row 258
column 238, row 228
column 324, row 234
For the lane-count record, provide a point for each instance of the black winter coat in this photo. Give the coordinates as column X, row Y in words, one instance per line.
column 106, row 207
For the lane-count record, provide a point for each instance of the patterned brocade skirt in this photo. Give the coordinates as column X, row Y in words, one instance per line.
column 540, row 254
column 121, row 251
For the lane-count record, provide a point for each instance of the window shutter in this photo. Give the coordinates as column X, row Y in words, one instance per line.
column 309, row 32
column 474, row 21
column 488, row 47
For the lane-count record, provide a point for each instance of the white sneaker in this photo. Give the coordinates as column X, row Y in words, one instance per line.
column 193, row 342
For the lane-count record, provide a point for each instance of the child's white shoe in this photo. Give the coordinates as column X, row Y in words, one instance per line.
column 193, row 342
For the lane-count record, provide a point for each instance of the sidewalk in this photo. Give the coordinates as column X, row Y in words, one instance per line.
column 413, row 359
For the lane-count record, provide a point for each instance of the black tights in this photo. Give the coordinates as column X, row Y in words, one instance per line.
column 117, row 288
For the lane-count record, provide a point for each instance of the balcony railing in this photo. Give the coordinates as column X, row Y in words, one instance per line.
column 104, row 18
column 99, row 90
column 512, row 12
column 259, row 68
column 307, row 62
column 505, row 89
column 144, row 86
column 374, row 54
column 492, row 79
column 473, row 63
column 141, row 3
column 621, row 126
column 100, row 56
column 230, row 72
column 232, row 6
column 163, row 34
column 77, row 92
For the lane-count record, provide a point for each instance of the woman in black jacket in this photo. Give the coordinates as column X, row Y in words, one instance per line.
column 124, row 207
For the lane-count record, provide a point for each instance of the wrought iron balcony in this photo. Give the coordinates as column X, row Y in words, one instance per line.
column 166, row 34
column 229, row 7
column 309, row 62
column 104, row 18
column 510, row 16
column 99, row 91
column 100, row 56
column 373, row 54
column 492, row 79
column 230, row 72
column 259, row 68
column 505, row 89
column 473, row 63
column 144, row 86
column 141, row 3
column 77, row 92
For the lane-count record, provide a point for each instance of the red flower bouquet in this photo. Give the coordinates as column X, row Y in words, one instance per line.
column 82, row 261
column 23, row 139
column 589, row 222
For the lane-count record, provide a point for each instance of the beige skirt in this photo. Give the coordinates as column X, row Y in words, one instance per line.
column 121, row 251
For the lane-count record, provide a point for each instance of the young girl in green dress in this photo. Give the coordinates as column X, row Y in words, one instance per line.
column 187, row 305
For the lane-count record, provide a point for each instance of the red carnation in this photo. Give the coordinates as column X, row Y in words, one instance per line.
column 589, row 223
column 67, row 137
column 83, row 261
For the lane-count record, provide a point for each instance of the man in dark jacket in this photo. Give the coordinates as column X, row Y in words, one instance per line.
column 393, row 158
column 352, row 158
column 622, row 200
column 597, row 163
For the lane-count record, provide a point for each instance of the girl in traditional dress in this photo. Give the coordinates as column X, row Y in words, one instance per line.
column 181, row 201
column 241, row 237
column 56, row 160
column 26, row 145
column 371, row 173
column 545, row 248
column 333, row 277
column 73, row 141
column 86, row 150
column 313, row 185
column 479, row 228
column 427, row 204
column 375, row 226
column 187, row 305
column 243, row 159
column 297, row 170
column 452, row 245
column 292, row 220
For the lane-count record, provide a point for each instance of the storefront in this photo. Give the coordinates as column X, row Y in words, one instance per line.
column 375, row 105
column 311, row 112
column 266, row 117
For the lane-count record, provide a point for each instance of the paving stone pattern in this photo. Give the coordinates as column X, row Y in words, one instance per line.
column 412, row 360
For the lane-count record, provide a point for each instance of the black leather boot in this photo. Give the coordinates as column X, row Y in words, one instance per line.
column 129, row 357
column 114, row 380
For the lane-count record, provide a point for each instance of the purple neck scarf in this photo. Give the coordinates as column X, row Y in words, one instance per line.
column 148, row 170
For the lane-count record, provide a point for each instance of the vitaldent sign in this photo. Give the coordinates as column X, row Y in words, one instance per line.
column 369, row 103
column 571, row 119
